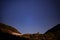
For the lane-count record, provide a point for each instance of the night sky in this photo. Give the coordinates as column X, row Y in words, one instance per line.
column 30, row 16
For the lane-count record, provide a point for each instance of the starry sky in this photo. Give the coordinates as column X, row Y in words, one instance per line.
column 30, row 16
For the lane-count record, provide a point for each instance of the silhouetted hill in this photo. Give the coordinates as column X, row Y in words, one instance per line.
column 55, row 31
column 5, row 33
column 51, row 34
column 7, row 28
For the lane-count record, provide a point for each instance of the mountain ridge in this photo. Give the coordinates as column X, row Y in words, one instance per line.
column 7, row 28
column 51, row 34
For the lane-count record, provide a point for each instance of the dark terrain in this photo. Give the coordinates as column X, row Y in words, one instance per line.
column 51, row 34
column 6, row 35
column 55, row 31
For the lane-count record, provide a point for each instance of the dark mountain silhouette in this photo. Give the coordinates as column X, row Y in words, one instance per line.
column 55, row 31
column 8, row 29
column 5, row 33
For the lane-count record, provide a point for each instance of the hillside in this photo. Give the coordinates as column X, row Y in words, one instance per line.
column 7, row 28
column 55, row 31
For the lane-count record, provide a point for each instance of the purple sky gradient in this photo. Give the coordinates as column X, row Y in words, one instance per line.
column 30, row 16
